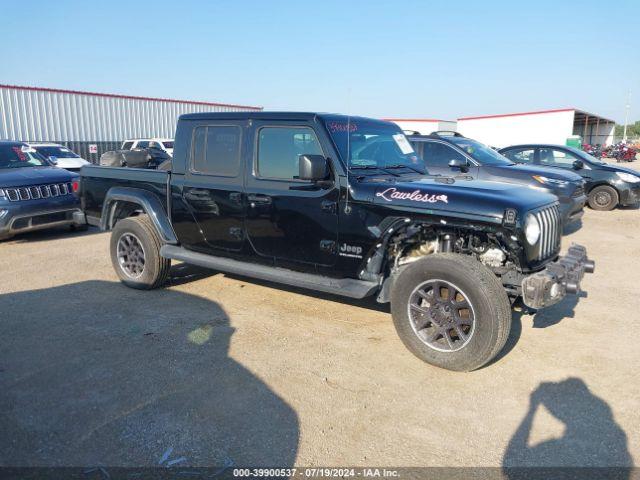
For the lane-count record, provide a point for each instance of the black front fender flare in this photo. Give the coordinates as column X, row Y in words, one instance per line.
column 147, row 201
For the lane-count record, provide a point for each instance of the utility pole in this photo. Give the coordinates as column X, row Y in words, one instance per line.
column 626, row 116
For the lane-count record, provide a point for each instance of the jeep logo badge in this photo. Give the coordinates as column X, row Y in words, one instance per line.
column 352, row 251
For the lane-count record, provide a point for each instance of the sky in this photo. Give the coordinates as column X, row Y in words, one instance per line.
column 389, row 59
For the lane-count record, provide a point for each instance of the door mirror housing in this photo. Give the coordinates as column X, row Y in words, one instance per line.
column 314, row 168
column 53, row 159
column 462, row 165
column 578, row 165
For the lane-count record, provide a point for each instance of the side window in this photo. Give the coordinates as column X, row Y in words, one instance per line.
column 142, row 144
column 439, row 155
column 557, row 158
column 154, row 145
column 127, row 145
column 279, row 150
column 521, row 155
column 216, row 150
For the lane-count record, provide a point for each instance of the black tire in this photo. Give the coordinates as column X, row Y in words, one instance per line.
column 153, row 271
column 603, row 197
column 475, row 284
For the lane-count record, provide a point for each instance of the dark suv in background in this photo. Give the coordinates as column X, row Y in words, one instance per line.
column 453, row 154
column 34, row 194
column 607, row 186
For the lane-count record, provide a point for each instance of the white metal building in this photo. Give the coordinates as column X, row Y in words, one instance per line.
column 546, row 126
column 424, row 126
column 80, row 119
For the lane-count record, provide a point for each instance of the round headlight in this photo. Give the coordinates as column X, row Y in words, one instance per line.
column 532, row 229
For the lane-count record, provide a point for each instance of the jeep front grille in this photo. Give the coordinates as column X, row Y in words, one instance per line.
column 36, row 192
column 550, row 231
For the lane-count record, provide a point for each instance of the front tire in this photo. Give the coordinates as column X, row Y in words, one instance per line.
column 451, row 311
column 603, row 198
column 135, row 254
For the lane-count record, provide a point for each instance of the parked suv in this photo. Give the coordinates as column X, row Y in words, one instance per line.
column 33, row 193
column 341, row 205
column 164, row 144
column 454, row 154
column 60, row 156
column 607, row 186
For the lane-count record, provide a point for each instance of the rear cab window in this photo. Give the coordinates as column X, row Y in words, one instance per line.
column 216, row 150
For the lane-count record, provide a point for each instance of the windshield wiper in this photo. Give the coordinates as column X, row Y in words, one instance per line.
column 399, row 165
column 373, row 167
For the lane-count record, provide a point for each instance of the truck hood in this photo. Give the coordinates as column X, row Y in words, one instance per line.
column 23, row 176
column 525, row 172
column 463, row 197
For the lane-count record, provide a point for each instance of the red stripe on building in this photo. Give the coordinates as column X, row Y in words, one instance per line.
column 539, row 112
column 128, row 97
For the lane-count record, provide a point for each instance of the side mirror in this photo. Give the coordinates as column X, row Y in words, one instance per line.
column 313, row 167
column 462, row 165
column 578, row 165
column 53, row 160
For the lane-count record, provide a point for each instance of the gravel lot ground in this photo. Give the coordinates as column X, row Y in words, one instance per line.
column 226, row 369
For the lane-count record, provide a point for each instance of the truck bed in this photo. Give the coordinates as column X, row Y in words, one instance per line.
column 96, row 181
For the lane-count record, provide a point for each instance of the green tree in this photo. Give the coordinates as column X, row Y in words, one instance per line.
column 633, row 130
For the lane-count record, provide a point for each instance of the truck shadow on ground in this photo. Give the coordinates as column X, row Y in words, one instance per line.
column 591, row 436
column 95, row 373
column 192, row 273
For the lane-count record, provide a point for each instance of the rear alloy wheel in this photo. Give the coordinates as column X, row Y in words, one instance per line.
column 603, row 198
column 135, row 253
column 450, row 311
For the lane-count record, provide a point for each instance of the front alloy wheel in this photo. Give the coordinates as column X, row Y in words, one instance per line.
column 441, row 315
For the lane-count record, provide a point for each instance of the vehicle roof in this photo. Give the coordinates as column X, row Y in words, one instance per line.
column 274, row 116
column 45, row 144
column 11, row 142
column 522, row 145
column 161, row 139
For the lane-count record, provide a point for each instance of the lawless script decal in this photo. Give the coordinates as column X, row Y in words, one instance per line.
column 391, row 194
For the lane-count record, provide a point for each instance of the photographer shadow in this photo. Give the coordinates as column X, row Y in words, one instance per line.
column 591, row 437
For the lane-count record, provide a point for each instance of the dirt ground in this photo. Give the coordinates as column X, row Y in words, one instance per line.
column 225, row 370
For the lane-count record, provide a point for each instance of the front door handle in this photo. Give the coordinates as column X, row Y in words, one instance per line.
column 265, row 199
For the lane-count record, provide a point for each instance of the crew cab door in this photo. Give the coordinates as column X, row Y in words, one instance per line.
column 437, row 156
column 213, row 179
column 289, row 220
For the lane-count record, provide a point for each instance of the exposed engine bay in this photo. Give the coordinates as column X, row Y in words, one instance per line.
column 417, row 241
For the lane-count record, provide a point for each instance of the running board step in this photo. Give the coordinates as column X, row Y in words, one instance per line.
column 346, row 287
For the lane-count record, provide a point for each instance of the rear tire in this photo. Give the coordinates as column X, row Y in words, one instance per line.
column 135, row 254
column 603, row 198
column 461, row 330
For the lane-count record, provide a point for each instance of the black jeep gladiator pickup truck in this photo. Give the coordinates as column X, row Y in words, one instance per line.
column 341, row 205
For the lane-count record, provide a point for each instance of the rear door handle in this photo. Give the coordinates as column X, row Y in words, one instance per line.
column 259, row 199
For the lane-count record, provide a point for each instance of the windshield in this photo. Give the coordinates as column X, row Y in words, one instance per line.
column 168, row 144
column 369, row 144
column 480, row 152
column 17, row 156
column 586, row 156
column 58, row 152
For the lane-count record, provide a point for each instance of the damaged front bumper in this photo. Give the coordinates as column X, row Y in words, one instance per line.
column 558, row 279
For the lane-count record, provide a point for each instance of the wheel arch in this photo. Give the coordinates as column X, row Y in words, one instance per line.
column 124, row 202
column 600, row 183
